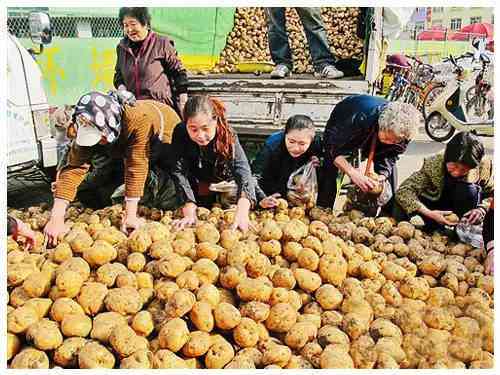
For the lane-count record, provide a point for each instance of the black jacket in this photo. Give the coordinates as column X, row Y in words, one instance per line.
column 192, row 164
column 273, row 165
column 352, row 125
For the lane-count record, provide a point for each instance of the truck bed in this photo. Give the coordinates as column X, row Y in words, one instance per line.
column 258, row 105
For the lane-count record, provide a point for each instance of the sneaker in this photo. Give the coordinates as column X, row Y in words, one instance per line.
column 281, row 71
column 330, row 72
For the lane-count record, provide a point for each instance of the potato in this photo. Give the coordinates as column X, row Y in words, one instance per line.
column 229, row 238
column 295, row 230
column 19, row 320
column 254, row 290
column 41, row 305
column 160, row 249
column 66, row 355
column 180, row 303
column 198, row 344
column 300, row 334
column 439, row 318
column 188, row 280
column 142, row 323
column 166, row 359
column 173, row 335
column 124, row 341
column 258, row 265
column 219, row 354
column 231, row 276
column 18, row 272
column 107, row 273
column 226, row 316
column 276, row 354
column 44, row 335
column 13, row 345
column 208, row 250
column 333, row 270
column 30, row 358
column 307, row 280
column 75, row 264
column 415, row 287
column 385, row 328
column 291, row 250
column 208, row 293
column 76, row 325
column 328, row 297
column 335, row 357
column 140, row 359
column 308, row 259
column 101, row 252
column 123, row 300
column 140, row 241
column 202, row 317
column 91, row 297
column 282, row 317
column 79, row 240
column 283, row 278
column 95, row 355
column 136, row 262
column 207, row 271
column 37, row 284
column 64, row 306
column 245, row 334
column 270, row 231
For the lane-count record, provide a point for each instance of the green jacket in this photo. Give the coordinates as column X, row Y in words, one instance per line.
column 428, row 182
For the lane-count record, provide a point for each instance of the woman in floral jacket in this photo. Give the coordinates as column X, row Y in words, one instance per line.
column 457, row 181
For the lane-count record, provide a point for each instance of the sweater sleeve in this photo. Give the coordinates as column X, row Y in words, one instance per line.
column 175, row 69
column 260, row 167
column 73, row 173
column 407, row 195
column 137, row 153
column 179, row 166
column 117, row 78
column 243, row 174
column 486, row 181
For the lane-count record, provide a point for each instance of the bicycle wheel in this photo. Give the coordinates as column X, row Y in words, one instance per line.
column 437, row 128
column 429, row 98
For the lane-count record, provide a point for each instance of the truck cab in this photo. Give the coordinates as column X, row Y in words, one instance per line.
column 30, row 145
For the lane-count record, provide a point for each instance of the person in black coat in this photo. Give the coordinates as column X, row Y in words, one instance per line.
column 205, row 150
column 353, row 124
column 283, row 153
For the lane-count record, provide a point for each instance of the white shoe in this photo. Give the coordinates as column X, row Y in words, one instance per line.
column 281, row 71
column 330, row 72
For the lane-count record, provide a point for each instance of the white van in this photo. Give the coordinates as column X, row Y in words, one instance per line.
column 30, row 144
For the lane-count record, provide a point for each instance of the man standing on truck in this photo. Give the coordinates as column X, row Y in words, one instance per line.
column 323, row 60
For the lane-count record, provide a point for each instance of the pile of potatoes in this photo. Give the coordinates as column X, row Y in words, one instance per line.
column 301, row 290
column 248, row 41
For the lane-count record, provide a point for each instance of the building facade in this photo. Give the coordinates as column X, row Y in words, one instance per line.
column 455, row 18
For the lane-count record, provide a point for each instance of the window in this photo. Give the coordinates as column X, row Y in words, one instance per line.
column 419, row 26
column 492, row 19
column 455, row 23
column 437, row 9
column 475, row 20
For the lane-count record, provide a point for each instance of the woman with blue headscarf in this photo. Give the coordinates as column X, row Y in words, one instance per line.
column 130, row 127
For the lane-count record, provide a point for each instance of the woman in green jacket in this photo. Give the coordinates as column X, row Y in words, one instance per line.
column 458, row 181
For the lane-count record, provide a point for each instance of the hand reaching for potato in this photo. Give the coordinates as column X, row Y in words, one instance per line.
column 270, row 201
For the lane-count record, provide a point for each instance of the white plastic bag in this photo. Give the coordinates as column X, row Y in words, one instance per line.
column 303, row 186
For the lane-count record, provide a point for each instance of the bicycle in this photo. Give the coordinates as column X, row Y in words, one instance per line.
column 477, row 102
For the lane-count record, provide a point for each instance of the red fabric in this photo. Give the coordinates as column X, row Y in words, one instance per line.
column 475, row 29
column 435, row 33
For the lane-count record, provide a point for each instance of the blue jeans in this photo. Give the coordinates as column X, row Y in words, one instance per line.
column 315, row 34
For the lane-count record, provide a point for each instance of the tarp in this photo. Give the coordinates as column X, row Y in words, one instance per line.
column 475, row 29
column 199, row 33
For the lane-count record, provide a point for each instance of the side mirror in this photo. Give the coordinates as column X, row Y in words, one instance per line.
column 40, row 28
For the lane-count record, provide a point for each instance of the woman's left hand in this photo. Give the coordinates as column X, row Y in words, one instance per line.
column 25, row 230
column 131, row 223
column 475, row 216
column 315, row 161
column 488, row 263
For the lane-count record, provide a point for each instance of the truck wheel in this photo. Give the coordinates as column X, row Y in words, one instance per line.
column 437, row 128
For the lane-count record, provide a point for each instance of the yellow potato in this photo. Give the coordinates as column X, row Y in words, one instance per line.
column 95, row 355
column 226, row 316
column 30, row 358
column 282, row 317
column 66, row 355
column 76, row 325
column 44, row 335
column 173, row 335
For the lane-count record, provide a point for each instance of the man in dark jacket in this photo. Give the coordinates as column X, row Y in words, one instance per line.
column 353, row 124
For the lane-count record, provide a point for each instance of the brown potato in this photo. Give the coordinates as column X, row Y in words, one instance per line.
column 95, row 355
column 30, row 358
column 282, row 317
column 123, row 300
column 328, row 297
column 207, row 271
column 142, row 323
column 76, row 325
column 335, row 357
column 41, row 305
column 13, row 345
column 173, row 335
column 208, row 293
column 125, row 341
column 166, row 359
column 226, row 316
column 300, row 334
column 246, row 334
column 101, row 252
column 180, row 303
column 19, row 320
column 254, row 290
column 140, row 359
column 91, row 297
column 44, row 335
column 64, row 306
column 66, row 355
column 308, row 281
column 198, row 344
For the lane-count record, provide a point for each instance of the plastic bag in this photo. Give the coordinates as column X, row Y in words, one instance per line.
column 369, row 202
column 303, row 186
